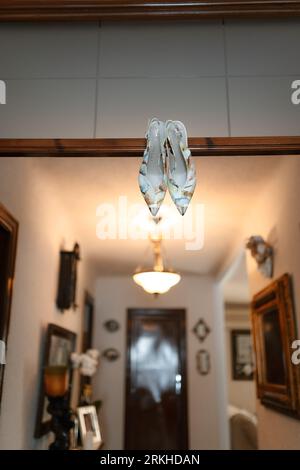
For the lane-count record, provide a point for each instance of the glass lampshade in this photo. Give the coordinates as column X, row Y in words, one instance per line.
column 56, row 380
column 156, row 282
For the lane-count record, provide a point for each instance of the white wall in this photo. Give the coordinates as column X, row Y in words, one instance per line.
column 198, row 296
column 82, row 80
column 241, row 393
column 44, row 229
column 276, row 218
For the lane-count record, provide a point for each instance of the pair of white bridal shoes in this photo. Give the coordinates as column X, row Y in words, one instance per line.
column 167, row 165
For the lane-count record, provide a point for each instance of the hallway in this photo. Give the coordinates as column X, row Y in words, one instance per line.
column 58, row 202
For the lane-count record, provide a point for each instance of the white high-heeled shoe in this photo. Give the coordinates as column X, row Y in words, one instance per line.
column 181, row 174
column 152, row 175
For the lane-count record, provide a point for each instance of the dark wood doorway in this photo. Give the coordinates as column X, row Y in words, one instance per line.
column 86, row 343
column 88, row 322
column 156, row 387
column 8, row 246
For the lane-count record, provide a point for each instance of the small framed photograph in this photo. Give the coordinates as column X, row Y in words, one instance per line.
column 89, row 425
column 242, row 355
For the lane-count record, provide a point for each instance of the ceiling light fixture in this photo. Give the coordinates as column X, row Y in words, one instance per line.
column 157, row 280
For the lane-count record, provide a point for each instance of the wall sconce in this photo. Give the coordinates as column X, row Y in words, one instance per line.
column 66, row 295
column 56, row 383
column 262, row 252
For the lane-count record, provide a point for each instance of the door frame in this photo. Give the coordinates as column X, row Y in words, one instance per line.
column 89, row 302
column 183, row 348
column 9, row 224
column 121, row 10
column 134, row 147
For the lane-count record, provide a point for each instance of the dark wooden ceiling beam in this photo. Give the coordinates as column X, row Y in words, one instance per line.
column 200, row 147
column 83, row 10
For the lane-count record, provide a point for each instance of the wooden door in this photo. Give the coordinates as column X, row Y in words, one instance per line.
column 156, row 407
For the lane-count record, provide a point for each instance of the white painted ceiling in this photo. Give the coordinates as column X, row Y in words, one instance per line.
column 226, row 187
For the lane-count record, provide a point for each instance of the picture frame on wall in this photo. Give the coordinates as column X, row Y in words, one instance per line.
column 242, row 355
column 87, row 339
column 89, row 423
column 203, row 362
column 274, row 330
column 8, row 249
column 59, row 345
column 87, row 322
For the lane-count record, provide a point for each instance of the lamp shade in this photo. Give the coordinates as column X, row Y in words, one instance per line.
column 156, row 282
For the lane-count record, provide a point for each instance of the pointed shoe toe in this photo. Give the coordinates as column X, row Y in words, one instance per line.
column 152, row 178
column 181, row 209
column 154, row 208
column 181, row 174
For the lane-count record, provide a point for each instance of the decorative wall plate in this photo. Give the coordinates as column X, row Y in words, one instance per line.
column 111, row 325
column 201, row 330
column 111, row 354
column 203, row 362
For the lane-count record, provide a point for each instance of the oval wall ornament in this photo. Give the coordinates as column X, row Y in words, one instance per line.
column 111, row 354
column 111, row 325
